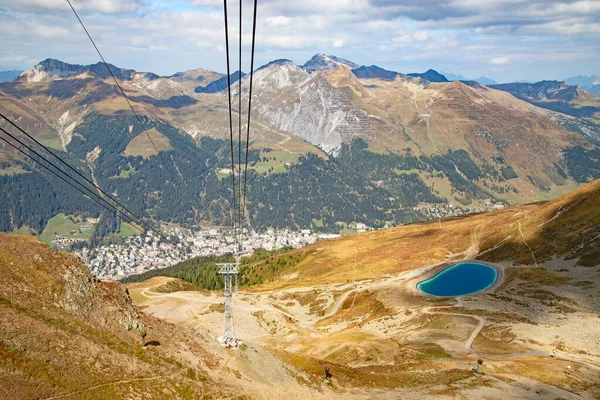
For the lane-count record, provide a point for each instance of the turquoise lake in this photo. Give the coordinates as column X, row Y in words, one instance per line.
column 460, row 280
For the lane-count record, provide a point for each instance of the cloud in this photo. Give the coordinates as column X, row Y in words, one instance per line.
column 208, row 3
column 404, row 38
column 420, row 35
column 459, row 36
column 500, row 60
column 279, row 21
column 25, row 28
column 338, row 43
column 512, row 16
column 99, row 6
column 11, row 59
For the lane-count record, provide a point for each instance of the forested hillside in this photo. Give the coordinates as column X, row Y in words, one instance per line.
column 202, row 271
column 339, row 189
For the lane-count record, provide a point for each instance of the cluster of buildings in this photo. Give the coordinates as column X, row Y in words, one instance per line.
column 139, row 254
column 439, row 211
column 64, row 241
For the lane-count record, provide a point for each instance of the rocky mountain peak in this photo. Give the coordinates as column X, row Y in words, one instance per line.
column 51, row 69
column 321, row 62
column 430, row 75
column 374, row 72
column 279, row 74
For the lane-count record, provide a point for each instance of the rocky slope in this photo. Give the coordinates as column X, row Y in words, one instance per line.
column 543, row 90
column 324, row 62
column 64, row 333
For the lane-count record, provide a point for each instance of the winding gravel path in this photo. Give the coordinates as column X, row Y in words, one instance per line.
column 481, row 324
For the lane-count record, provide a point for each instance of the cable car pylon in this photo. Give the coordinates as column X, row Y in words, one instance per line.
column 229, row 271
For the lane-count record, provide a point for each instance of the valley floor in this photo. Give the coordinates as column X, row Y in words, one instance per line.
column 385, row 339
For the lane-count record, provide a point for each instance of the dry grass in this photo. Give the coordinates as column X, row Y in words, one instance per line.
column 143, row 146
column 497, row 339
column 383, row 377
column 582, row 380
column 358, row 308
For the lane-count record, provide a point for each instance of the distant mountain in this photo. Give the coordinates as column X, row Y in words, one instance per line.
column 594, row 89
column 7, row 76
column 51, row 69
column 590, row 84
column 196, row 75
column 560, row 97
column 430, row 76
column 482, row 80
column 485, row 81
column 324, row 62
column 374, row 72
column 583, row 81
column 454, row 77
column 543, row 90
column 220, row 84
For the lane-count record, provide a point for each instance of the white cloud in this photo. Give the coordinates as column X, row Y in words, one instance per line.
column 11, row 59
column 208, row 3
column 420, row 35
column 403, row 35
column 337, row 43
column 100, row 6
column 500, row 60
column 279, row 21
column 31, row 28
column 402, row 39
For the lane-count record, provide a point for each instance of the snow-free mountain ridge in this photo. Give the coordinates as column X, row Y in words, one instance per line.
column 385, row 141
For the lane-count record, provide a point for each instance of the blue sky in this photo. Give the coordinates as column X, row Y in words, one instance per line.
column 506, row 40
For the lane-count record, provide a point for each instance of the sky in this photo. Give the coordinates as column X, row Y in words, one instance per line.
column 506, row 40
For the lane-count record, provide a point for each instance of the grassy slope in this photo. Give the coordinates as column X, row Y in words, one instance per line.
column 141, row 145
column 567, row 226
column 128, row 230
column 62, row 225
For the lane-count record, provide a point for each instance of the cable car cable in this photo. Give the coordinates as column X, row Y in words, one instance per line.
column 234, row 210
column 68, row 165
column 123, row 92
column 249, row 105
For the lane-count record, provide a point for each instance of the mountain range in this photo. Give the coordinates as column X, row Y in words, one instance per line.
column 482, row 80
column 7, row 76
column 383, row 141
column 590, row 83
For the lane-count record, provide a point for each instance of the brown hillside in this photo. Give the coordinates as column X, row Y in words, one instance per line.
column 144, row 144
column 65, row 334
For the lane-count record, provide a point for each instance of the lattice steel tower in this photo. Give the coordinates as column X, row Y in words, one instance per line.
column 229, row 271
